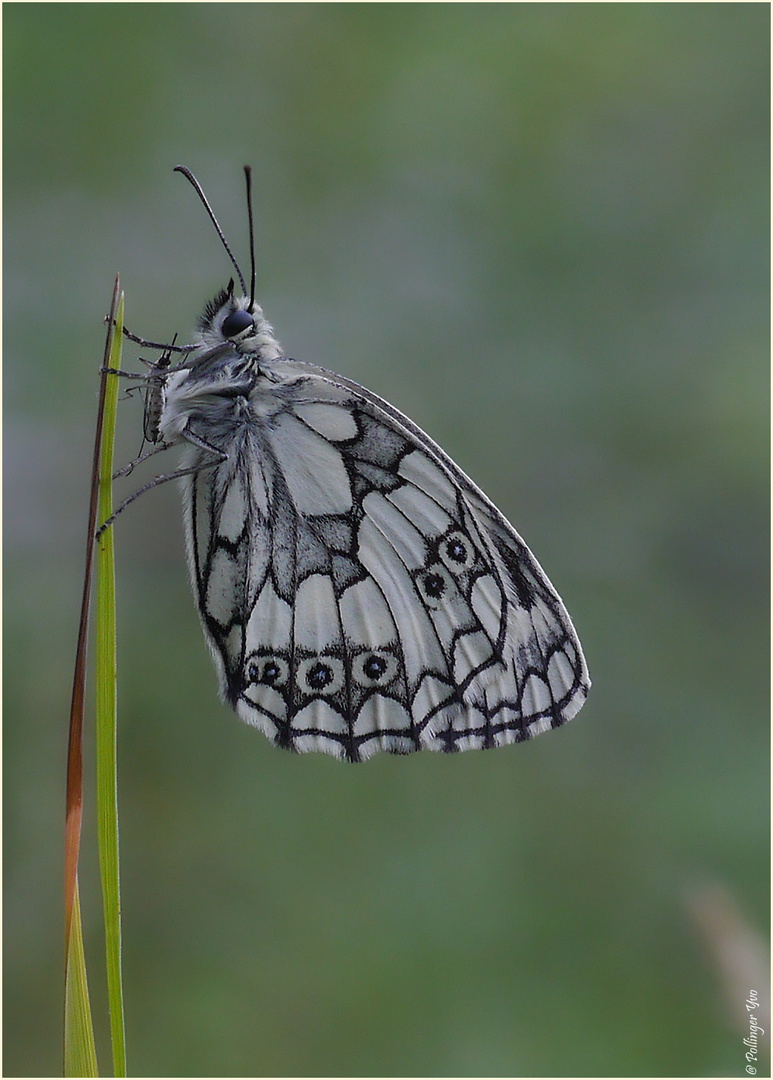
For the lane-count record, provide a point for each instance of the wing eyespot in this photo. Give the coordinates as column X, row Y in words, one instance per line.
column 374, row 668
column 434, row 584
column 457, row 552
column 268, row 670
column 320, row 675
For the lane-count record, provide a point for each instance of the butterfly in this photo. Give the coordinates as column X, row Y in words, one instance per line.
column 357, row 591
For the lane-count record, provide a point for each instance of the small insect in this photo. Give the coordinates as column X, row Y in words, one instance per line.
column 357, row 590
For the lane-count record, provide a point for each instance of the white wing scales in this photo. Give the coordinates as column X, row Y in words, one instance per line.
column 358, row 592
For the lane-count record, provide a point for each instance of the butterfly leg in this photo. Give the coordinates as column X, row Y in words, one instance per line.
column 190, row 437
column 138, row 376
column 152, row 344
column 128, row 469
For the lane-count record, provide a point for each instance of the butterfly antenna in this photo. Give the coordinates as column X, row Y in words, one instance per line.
column 248, row 178
column 197, row 188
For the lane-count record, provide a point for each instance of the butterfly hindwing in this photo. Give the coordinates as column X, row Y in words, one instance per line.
column 358, row 592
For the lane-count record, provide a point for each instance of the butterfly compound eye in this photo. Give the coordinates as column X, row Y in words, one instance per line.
column 237, row 322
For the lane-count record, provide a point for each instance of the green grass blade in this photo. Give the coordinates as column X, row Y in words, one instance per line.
column 80, row 1055
column 106, row 717
column 79, row 1048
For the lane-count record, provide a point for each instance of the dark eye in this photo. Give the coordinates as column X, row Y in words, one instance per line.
column 236, row 322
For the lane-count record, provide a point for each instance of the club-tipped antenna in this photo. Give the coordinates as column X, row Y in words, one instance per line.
column 197, row 188
column 248, row 178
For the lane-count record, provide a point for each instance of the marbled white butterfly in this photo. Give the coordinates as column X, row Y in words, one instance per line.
column 358, row 592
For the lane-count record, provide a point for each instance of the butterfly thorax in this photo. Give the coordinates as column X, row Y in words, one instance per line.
column 224, row 369
column 224, row 392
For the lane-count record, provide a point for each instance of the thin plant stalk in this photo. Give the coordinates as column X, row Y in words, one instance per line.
column 106, row 716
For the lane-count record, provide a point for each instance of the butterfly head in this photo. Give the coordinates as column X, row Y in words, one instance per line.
column 239, row 321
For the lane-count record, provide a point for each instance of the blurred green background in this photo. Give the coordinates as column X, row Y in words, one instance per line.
column 541, row 230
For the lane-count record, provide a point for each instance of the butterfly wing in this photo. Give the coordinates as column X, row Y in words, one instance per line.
column 358, row 591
